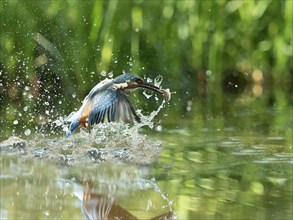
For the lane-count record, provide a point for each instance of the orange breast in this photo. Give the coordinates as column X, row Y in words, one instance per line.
column 85, row 114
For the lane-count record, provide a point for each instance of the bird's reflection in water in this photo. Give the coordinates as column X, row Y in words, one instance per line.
column 103, row 206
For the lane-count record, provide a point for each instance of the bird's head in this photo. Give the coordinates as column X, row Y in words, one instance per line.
column 129, row 82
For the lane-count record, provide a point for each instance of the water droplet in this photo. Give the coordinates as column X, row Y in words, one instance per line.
column 158, row 80
column 27, row 132
column 110, row 75
column 209, row 73
column 189, row 106
column 15, row 122
column 149, row 80
column 103, row 73
column 147, row 95
column 58, row 122
column 159, row 128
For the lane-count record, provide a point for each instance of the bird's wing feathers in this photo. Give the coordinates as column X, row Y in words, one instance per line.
column 111, row 105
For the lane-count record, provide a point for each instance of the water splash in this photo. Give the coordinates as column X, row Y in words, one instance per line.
column 148, row 96
column 158, row 80
column 101, row 132
column 104, row 142
column 148, row 120
column 109, row 141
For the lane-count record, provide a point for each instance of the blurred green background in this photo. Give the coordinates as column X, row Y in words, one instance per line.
column 211, row 53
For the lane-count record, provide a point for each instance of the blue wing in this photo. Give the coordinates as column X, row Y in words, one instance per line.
column 111, row 105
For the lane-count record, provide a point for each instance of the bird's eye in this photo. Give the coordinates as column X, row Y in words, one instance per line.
column 138, row 80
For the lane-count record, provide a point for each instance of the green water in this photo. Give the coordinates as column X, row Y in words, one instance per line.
column 233, row 172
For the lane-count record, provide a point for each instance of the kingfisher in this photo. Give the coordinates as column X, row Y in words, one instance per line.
column 108, row 102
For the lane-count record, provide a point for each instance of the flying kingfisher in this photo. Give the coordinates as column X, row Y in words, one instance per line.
column 108, row 102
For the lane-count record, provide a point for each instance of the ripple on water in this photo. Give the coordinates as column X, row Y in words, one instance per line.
column 248, row 152
column 286, row 158
column 265, row 153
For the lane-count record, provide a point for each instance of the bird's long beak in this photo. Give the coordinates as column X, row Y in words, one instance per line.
column 149, row 86
column 166, row 92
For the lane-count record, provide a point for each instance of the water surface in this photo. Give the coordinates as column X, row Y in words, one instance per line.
column 198, row 173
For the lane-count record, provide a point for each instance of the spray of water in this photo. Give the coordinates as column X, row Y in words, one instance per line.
column 117, row 133
column 109, row 141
